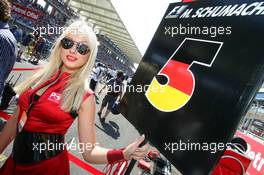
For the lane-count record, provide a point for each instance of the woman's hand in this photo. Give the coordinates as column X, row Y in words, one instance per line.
column 133, row 151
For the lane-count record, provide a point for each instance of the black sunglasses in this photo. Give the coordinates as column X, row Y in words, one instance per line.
column 67, row 43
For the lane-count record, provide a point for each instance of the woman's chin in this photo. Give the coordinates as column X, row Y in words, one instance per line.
column 70, row 68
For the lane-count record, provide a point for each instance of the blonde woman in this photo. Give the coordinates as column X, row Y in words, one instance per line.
column 48, row 104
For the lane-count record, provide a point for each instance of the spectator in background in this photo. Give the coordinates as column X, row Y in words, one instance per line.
column 109, row 76
column 8, row 44
column 129, row 79
column 114, row 90
column 36, row 34
column 96, row 75
column 25, row 43
column 112, row 72
column 38, row 50
column 17, row 32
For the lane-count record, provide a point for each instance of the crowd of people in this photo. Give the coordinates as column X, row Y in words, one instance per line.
column 38, row 47
column 108, row 56
column 34, row 46
column 105, row 56
column 47, row 18
column 107, row 59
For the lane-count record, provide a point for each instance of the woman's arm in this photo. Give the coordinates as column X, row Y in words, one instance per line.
column 9, row 131
column 86, row 132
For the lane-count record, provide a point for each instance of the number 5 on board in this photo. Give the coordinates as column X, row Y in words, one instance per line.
column 180, row 81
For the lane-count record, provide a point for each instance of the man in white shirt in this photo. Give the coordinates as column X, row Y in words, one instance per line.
column 96, row 75
column 129, row 79
column 113, row 73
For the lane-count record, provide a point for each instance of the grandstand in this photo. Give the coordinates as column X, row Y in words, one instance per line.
column 116, row 47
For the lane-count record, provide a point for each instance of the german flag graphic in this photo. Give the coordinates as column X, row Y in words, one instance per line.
column 180, row 81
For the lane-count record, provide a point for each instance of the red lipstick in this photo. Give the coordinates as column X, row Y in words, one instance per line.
column 71, row 58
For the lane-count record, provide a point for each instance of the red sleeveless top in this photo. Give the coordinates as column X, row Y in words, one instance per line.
column 46, row 115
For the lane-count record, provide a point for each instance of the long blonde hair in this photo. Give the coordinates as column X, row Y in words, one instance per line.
column 76, row 86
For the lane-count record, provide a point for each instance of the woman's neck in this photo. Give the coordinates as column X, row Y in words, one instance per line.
column 65, row 70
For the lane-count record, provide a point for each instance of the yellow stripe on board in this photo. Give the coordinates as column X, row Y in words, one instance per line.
column 166, row 98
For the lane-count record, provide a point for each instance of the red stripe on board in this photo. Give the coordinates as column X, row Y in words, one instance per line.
column 84, row 165
column 26, row 69
column 180, row 78
column 4, row 115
